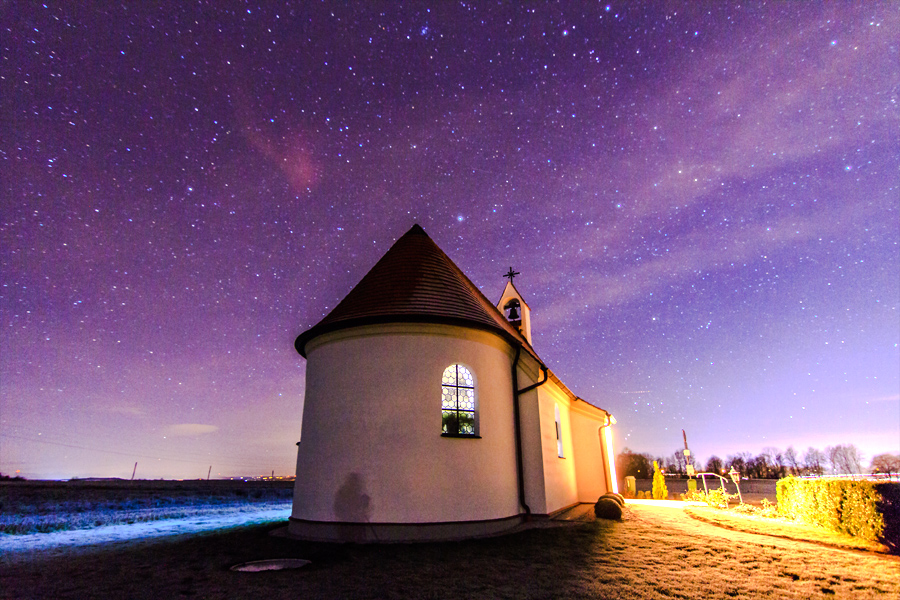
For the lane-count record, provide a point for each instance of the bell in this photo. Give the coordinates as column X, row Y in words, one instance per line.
column 514, row 313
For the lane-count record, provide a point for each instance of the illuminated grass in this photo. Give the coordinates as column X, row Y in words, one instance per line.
column 782, row 528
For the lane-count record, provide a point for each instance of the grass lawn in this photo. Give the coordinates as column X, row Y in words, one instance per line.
column 781, row 528
column 653, row 553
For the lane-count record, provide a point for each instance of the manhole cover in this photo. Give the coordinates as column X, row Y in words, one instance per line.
column 275, row 564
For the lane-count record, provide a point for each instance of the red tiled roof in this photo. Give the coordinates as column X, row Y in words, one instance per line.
column 415, row 282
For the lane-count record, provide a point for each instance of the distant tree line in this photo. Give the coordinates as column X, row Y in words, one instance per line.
column 771, row 463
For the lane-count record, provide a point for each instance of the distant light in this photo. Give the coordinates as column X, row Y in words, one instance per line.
column 460, row 218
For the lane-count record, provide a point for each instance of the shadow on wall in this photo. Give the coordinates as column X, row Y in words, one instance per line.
column 353, row 505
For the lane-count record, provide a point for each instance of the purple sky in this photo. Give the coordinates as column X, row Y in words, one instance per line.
column 701, row 198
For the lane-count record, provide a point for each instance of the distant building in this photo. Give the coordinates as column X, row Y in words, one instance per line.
column 429, row 415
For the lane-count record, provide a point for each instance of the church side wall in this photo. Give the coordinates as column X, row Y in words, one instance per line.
column 559, row 473
column 532, row 451
column 588, row 455
column 372, row 449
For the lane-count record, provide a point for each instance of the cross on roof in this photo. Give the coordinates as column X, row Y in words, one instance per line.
column 511, row 274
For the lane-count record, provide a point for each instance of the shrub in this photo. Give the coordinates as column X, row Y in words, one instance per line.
column 767, row 509
column 864, row 509
column 716, row 498
column 607, row 508
column 659, row 484
column 694, row 496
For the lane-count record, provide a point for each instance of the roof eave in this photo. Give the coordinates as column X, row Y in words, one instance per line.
column 310, row 334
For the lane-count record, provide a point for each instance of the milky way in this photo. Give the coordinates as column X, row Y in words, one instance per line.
column 702, row 200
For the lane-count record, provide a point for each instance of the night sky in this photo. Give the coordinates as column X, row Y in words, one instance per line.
column 702, row 199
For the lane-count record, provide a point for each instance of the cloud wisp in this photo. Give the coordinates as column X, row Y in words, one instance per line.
column 189, row 430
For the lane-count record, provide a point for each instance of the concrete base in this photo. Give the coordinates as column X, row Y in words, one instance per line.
column 363, row 533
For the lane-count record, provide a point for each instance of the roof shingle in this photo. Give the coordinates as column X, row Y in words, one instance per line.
column 415, row 281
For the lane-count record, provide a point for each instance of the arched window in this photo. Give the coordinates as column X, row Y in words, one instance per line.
column 458, row 416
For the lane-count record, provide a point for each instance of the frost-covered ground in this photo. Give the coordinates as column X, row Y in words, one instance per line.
column 18, row 547
column 656, row 551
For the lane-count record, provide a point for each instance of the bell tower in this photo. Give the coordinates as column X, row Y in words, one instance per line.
column 514, row 308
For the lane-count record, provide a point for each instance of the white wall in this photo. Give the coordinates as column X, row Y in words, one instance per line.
column 372, row 449
column 559, row 473
column 551, row 482
column 532, row 450
column 590, row 467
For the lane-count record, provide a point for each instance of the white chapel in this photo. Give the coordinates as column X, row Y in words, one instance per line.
column 428, row 414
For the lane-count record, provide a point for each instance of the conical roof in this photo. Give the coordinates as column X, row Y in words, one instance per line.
column 415, row 282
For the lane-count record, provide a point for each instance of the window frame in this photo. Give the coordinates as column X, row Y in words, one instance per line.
column 560, row 452
column 456, row 387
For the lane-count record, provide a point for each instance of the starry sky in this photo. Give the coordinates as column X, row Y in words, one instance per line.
column 701, row 199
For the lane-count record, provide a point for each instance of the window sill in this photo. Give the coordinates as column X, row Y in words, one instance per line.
column 461, row 435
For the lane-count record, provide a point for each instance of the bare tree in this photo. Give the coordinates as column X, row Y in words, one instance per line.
column 814, row 461
column 740, row 462
column 854, row 458
column 714, row 464
column 774, row 462
column 670, row 464
column 780, row 463
column 678, row 459
column 885, row 463
column 792, row 460
column 844, row 458
column 735, row 462
column 758, row 466
column 832, row 455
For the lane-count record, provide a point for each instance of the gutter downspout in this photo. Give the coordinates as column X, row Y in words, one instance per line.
column 520, row 467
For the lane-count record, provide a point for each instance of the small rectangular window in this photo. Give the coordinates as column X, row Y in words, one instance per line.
column 559, row 443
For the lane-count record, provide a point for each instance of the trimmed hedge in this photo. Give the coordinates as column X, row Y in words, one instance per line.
column 864, row 509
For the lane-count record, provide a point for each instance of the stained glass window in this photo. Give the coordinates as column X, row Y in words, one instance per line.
column 458, row 401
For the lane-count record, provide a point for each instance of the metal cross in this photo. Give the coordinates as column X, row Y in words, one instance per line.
column 511, row 274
